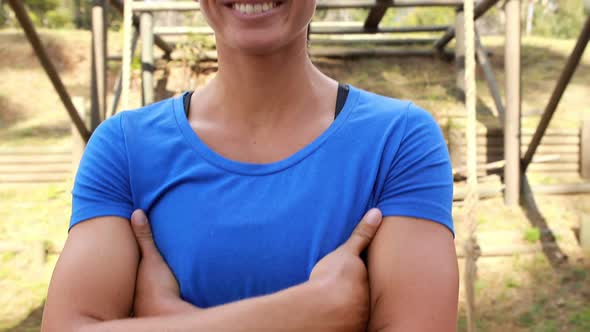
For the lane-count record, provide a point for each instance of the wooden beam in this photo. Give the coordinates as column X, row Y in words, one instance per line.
column 510, row 250
column 323, row 28
column 128, row 31
column 585, row 150
column 25, row 21
column 488, row 71
column 367, row 41
column 78, row 143
column 481, row 8
column 147, row 57
column 163, row 45
column 99, row 71
column 333, row 28
column 562, row 83
column 172, row 31
column 562, row 189
column 460, row 53
column 489, row 191
column 340, row 52
column 512, row 172
column 330, row 4
column 376, row 14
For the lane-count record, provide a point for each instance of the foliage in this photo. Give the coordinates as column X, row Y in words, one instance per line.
column 3, row 14
column 51, row 13
column 532, row 235
column 418, row 16
column 562, row 19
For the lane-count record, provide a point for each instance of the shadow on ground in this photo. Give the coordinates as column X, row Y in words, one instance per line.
column 32, row 323
column 15, row 46
column 10, row 112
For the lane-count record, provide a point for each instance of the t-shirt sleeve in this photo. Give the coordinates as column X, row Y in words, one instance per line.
column 102, row 186
column 419, row 182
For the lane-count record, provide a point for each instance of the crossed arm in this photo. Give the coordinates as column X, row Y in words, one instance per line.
column 412, row 285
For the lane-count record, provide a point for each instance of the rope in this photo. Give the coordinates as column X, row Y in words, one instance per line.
column 470, row 246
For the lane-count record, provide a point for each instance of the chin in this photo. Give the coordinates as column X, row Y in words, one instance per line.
column 259, row 26
column 259, row 43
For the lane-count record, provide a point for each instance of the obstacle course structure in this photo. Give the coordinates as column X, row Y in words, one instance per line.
column 139, row 23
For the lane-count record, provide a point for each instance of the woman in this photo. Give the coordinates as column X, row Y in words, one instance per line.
column 253, row 186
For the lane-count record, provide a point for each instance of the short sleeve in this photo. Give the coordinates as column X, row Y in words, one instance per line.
column 419, row 182
column 101, row 187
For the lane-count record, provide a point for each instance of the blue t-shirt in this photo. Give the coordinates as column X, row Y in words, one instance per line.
column 231, row 230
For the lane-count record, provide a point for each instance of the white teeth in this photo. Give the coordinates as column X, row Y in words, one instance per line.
column 249, row 8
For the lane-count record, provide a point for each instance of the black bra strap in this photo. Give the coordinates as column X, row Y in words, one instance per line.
column 342, row 95
column 187, row 102
column 343, row 90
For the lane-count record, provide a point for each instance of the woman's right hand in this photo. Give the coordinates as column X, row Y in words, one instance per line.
column 343, row 277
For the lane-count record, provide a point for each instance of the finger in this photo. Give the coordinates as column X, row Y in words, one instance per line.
column 143, row 233
column 364, row 232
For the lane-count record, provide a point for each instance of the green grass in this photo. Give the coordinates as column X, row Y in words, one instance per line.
column 532, row 235
column 31, row 215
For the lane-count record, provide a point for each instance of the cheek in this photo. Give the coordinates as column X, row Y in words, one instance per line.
column 210, row 13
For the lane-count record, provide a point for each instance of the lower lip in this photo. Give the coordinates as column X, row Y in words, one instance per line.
column 256, row 16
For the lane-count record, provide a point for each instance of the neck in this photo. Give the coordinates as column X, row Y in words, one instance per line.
column 266, row 88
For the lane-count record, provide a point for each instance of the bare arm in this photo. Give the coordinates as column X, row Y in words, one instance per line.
column 413, row 277
column 101, row 299
column 94, row 278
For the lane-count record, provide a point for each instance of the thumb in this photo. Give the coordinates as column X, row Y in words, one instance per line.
column 364, row 232
column 143, row 233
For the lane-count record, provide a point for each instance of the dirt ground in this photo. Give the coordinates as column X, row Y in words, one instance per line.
column 541, row 291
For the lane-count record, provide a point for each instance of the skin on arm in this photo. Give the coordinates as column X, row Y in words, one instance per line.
column 414, row 278
column 94, row 279
column 101, row 301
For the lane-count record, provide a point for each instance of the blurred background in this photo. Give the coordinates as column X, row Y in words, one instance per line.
column 534, row 271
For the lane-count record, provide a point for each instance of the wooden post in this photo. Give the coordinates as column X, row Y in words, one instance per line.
column 481, row 8
column 147, row 57
column 77, row 13
column 512, row 174
column 562, row 83
column 119, row 82
column 27, row 25
column 585, row 232
column 126, row 61
column 119, row 5
column 455, row 142
column 376, row 15
column 99, row 56
column 460, row 52
column 78, row 143
column 585, row 150
column 471, row 247
column 488, row 71
column 529, row 17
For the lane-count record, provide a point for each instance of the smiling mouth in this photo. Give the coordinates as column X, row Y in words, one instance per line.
column 254, row 8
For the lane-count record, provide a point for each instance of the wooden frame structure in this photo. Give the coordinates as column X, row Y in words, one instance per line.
column 468, row 49
column 142, row 25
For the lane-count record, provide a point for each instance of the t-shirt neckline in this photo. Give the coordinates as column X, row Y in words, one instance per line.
column 195, row 142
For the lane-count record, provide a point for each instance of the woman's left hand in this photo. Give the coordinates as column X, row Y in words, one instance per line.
column 156, row 288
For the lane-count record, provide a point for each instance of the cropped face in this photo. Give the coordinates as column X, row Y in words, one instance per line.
column 258, row 26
